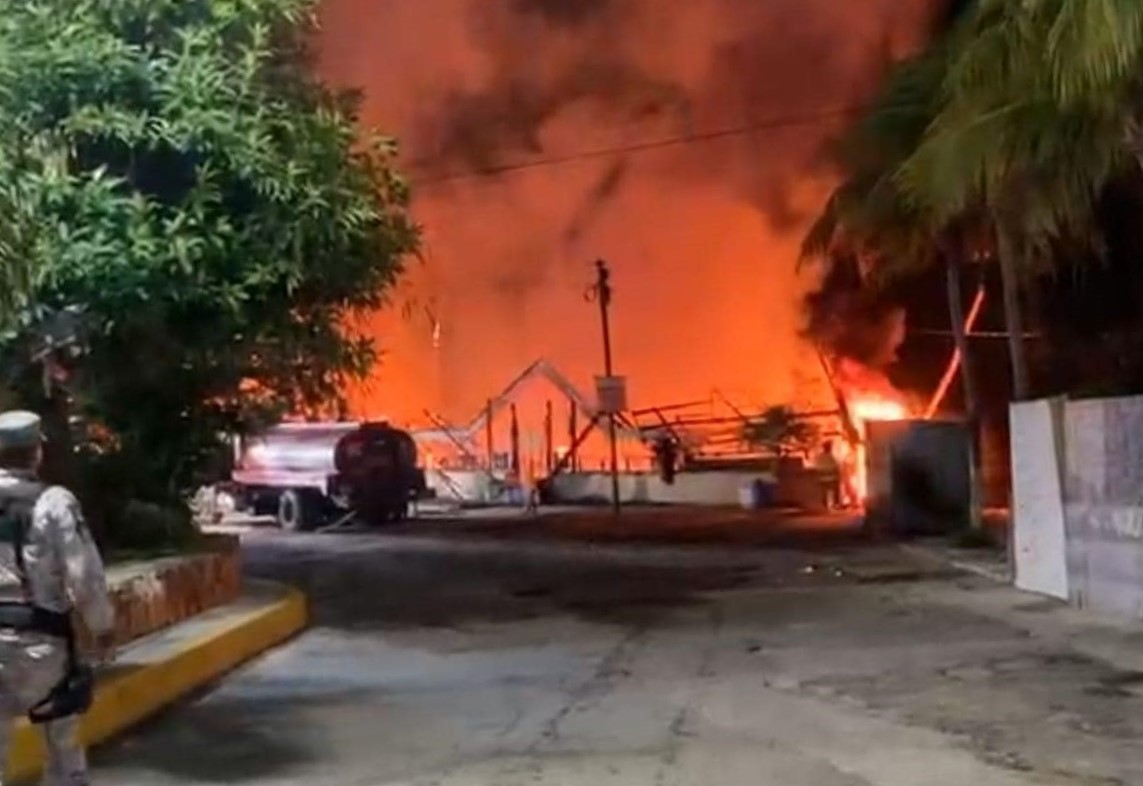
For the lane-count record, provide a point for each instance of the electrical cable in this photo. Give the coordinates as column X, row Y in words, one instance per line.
column 769, row 125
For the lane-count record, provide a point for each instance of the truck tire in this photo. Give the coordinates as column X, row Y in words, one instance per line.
column 299, row 510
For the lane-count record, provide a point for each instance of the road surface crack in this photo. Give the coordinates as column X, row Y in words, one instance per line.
column 679, row 728
column 595, row 687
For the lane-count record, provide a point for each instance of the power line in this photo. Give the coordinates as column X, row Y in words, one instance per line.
column 769, row 125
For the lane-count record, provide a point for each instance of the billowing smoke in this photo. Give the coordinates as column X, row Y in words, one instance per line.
column 682, row 140
column 641, row 71
column 848, row 318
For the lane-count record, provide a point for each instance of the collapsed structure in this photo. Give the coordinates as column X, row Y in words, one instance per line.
column 541, row 430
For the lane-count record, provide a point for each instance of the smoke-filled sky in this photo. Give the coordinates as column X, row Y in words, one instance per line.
column 566, row 101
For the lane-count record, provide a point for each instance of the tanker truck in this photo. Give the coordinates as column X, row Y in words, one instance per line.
column 307, row 474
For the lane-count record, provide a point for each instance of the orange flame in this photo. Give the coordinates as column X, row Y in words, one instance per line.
column 870, row 397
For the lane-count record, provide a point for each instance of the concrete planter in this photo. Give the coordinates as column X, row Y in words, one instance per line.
column 151, row 596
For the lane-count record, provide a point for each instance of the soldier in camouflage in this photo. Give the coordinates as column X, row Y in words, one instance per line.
column 49, row 568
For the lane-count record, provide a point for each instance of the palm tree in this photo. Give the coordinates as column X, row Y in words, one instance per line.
column 868, row 208
column 1039, row 114
column 1079, row 50
column 1010, row 127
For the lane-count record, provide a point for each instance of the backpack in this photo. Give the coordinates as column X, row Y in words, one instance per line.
column 15, row 523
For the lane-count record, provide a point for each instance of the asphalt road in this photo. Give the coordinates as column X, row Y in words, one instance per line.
column 518, row 653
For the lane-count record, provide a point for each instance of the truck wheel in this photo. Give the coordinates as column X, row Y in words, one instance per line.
column 299, row 510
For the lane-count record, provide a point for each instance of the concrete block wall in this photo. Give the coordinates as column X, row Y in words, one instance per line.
column 1100, row 466
column 1103, row 503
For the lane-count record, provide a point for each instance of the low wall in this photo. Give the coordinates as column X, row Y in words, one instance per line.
column 801, row 488
column 712, row 488
column 150, row 596
column 456, row 485
column 689, row 488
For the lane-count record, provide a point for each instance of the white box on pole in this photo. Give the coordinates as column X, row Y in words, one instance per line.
column 611, row 395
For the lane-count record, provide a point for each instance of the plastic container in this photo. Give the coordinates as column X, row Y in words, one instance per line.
column 755, row 495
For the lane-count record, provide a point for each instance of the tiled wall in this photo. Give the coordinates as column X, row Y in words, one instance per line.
column 149, row 597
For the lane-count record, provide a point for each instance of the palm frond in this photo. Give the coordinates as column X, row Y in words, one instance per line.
column 867, row 210
column 1094, row 46
column 822, row 233
column 1031, row 137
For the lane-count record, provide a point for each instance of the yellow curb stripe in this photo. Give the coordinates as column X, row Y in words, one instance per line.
column 126, row 698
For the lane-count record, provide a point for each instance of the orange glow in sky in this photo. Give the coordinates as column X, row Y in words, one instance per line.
column 701, row 234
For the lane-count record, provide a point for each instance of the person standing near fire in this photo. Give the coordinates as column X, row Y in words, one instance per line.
column 829, row 476
column 50, row 567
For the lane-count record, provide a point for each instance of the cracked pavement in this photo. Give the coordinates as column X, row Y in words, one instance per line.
column 450, row 656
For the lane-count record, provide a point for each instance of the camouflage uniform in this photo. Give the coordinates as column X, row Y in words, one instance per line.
column 63, row 571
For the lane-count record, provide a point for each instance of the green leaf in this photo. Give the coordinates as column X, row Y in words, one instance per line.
column 174, row 166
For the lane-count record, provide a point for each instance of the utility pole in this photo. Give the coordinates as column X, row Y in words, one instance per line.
column 488, row 437
column 549, row 447
column 603, row 296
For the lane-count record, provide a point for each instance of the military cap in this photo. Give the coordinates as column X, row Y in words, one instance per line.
column 19, row 429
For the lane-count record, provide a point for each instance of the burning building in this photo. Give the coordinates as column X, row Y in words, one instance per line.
column 682, row 141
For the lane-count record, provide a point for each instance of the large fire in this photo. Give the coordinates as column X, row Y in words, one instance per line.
column 869, row 397
column 681, row 141
column 865, row 408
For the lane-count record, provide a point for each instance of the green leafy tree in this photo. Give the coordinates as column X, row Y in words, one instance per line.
column 175, row 168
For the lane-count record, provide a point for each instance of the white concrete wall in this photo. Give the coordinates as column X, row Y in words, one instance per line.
column 689, row 488
column 1037, row 499
column 460, row 485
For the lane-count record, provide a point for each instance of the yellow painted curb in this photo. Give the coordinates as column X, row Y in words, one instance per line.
column 125, row 698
